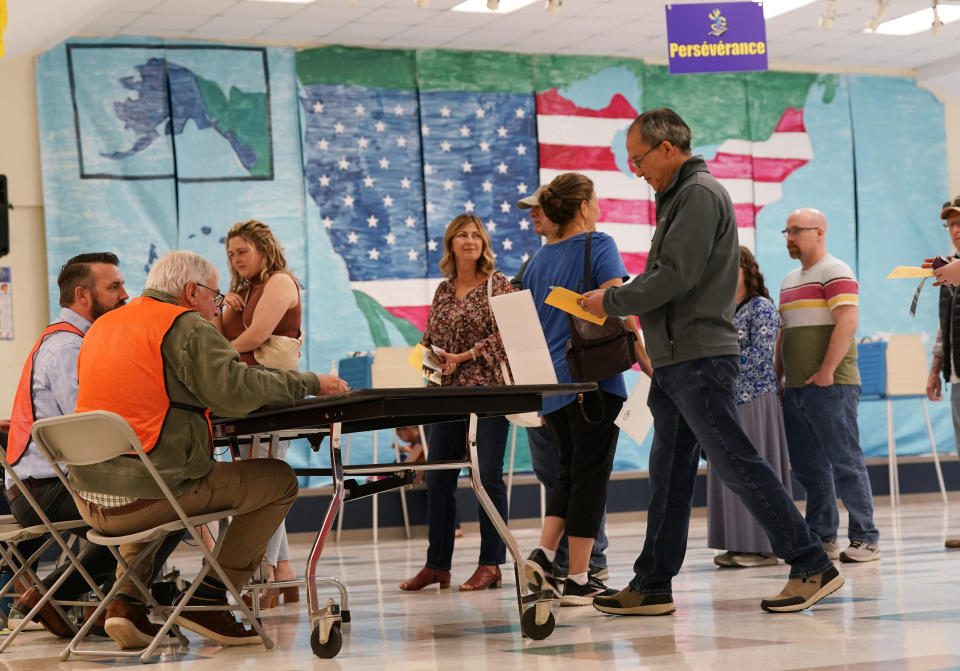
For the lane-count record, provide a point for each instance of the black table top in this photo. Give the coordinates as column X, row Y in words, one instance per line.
column 370, row 409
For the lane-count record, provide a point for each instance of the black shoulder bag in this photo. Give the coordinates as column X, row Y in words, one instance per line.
column 597, row 351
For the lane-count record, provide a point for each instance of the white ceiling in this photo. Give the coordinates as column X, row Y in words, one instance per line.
column 628, row 28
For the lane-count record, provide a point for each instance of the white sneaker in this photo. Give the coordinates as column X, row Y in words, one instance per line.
column 832, row 548
column 860, row 551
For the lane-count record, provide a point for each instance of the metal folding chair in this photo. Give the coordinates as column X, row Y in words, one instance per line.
column 12, row 533
column 92, row 437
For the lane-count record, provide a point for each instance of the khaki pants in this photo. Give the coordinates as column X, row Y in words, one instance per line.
column 260, row 490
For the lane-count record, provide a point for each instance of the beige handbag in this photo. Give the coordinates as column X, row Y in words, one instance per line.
column 279, row 352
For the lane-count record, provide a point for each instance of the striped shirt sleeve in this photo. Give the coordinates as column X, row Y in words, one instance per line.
column 841, row 291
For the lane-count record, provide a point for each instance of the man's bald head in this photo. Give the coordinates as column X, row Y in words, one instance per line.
column 806, row 234
column 807, row 216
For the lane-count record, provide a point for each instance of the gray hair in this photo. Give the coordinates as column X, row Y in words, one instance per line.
column 172, row 271
column 663, row 125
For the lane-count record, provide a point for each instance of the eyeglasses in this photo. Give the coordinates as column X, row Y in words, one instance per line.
column 637, row 160
column 217, row 299
column 790, row 232
column 951, row 203
column 951, row 224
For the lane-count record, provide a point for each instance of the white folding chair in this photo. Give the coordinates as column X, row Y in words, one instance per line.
column 12, row 533
column 92, row 437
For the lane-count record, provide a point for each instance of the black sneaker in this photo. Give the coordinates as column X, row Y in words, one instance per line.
column 575, row 594
column 541, row 573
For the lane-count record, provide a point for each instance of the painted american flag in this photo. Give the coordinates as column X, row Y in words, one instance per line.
column 386, row 203
column 574, row 138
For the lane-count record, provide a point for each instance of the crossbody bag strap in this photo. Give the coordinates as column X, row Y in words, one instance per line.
column 586, row 263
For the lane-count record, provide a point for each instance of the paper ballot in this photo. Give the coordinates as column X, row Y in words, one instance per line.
column 566, row 300
column 523, row 339
column 635, row 418
column 901, row 272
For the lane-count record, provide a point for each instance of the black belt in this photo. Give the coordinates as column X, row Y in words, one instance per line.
column 29, row 483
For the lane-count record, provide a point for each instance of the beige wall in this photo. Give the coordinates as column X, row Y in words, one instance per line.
column 20, row 162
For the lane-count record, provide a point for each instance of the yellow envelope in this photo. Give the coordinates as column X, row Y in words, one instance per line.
column 901, row 272
column 416, row 358
column 566, row 300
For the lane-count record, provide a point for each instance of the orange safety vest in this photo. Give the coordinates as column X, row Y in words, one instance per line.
column 121, row 368
column 24, row 414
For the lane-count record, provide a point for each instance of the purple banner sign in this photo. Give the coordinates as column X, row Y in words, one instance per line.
column 720, row 37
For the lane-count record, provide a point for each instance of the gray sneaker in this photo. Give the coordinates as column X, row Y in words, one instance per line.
column 724, row 560
column 832, row 548
column 860, row 551
column 599, row 572
column 752, row 559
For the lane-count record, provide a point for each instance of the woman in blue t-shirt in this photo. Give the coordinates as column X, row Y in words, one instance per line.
column 586, row 450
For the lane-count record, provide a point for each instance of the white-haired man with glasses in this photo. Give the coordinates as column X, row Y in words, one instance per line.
column 946, row 353
column 159, row 363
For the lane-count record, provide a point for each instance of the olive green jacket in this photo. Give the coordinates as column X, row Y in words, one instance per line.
column 201, row 369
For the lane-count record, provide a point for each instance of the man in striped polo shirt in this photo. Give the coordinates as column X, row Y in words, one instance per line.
column 817, row 356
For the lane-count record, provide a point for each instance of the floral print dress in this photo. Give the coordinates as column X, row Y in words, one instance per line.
column 455, row 325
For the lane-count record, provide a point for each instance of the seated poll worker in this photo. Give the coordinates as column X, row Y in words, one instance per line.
column 90, row 286
column 161, row 364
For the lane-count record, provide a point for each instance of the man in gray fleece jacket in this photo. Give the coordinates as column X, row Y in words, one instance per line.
column 685, row 302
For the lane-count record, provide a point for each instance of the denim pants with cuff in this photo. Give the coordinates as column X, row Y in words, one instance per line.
column 694, row 408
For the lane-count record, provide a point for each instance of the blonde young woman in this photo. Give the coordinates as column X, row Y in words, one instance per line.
column 460, row 325
column 264, row 301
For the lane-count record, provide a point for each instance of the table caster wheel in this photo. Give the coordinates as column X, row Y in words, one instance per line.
column 528, row 623
column 334, row 642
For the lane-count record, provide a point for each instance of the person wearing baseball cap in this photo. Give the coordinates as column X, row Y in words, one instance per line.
column 945, row 352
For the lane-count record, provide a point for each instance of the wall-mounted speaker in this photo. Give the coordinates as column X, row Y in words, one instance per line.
column 4, row 217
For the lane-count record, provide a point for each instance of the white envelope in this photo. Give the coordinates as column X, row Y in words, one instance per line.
column 635, row 418
column 523, row 338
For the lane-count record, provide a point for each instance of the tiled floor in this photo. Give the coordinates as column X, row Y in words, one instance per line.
column 902, row 612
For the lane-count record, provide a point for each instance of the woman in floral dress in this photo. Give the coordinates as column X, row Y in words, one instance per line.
column 730, row 526
column 461, row 326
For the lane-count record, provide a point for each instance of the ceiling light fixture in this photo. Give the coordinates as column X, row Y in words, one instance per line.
column 553, row 6
column 298, row 2
column 919, row 21
column 772, row 8
column 829, row 14
column 937, row 26
column 496, row 6
column 420, row 3
column 874, row 21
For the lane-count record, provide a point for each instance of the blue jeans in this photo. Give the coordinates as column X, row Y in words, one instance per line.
column 448, row 441
column 955, row 411
column 693, row 408
column 824, row 444
column 546, row 466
